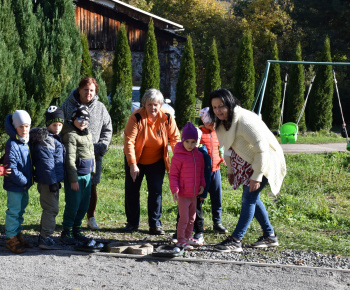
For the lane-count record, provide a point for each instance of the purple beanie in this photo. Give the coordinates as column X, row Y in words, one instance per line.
column 189, row 132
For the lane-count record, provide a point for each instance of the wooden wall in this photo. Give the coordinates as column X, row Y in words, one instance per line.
column 101, row 25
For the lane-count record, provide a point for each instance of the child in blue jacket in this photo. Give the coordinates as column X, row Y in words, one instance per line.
column 48, row 159
column 17, row 184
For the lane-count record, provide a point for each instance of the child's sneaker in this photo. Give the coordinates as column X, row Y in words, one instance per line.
column 174, row 238
column 199, row 237
column 79, row 236
column 266, row 241
column 185, row 246
column 23, row 242
column 229, row 245
column 194, row 242
column 14, row 245
column 67, row 237
column 47, row 243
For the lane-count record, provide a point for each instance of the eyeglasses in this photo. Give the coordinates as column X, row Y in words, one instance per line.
column 81, row 120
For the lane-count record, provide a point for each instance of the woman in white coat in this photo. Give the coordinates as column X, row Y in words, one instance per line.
column 254, row 158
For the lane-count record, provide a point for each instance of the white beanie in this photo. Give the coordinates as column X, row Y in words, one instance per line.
column 20, row 117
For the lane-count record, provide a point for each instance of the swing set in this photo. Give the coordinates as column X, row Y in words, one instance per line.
column 289, row 131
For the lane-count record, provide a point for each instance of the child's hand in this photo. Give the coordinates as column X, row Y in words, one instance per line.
column 74, row 186
column 175, row 196
column 7, row 170
column 202, row 198
column 201, row 189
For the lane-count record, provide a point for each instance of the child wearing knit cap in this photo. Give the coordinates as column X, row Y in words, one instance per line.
column 17, row 184
column 48, row 160
column 210, row 140
column 187, row 181
column 79, row 165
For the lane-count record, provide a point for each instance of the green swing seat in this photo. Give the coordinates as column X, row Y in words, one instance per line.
column 289, row 133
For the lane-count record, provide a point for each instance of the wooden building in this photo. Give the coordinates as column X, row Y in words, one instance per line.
column 100, row 20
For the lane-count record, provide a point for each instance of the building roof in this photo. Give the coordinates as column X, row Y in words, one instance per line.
column 140, row 14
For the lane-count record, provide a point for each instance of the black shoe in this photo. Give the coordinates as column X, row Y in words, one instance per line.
column 219, row 228
column 266, row 241
column 229, row 245
column 130, row 228
column 67, row 237
column 157, row 230
column 79, row 236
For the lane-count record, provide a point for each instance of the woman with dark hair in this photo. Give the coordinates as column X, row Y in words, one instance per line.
column 254, row 158
column 101, row 130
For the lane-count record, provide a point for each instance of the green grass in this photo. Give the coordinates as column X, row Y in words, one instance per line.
column 311, row 213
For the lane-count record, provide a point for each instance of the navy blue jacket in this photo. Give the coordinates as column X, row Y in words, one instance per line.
column 48, row 155
column 17, row 157
column 207, row 169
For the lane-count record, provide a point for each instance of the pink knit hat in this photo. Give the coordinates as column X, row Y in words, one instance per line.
column 189, row 132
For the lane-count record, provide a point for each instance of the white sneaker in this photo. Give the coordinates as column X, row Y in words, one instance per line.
column 91, row 223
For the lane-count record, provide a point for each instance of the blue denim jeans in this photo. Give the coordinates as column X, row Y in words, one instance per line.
column 154, row 175
column 16, row 204
column 215, row 192
column 252, row 206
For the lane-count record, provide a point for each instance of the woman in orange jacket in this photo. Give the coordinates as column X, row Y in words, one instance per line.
column 146, row 137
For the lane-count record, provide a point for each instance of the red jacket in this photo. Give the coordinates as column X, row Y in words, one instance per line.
column 211, row 141
column 186, row 171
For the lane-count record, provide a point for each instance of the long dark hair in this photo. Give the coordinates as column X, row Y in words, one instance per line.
column 229, row 101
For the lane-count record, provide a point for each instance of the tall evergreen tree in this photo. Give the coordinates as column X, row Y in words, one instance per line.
column 271, row 109
column 321, row 95
column 296, row 91
column 186, row 87
column 212, row 74
column 121, row 82
column 102, row 91
column 150, row 63
column 244, row 82
column 12, row 87
column 86, row 63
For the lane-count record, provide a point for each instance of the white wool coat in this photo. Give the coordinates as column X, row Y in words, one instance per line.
column 252, row 140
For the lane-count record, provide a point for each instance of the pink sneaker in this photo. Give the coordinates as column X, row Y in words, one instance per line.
column 194, row 242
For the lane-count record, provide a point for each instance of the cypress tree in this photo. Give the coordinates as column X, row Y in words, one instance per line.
column 12, row 88
column 150, row 63
column 186, row 87
column 321, row 95
column 121, row 82
column 271, row 109
column 86, row 63
column 296, row 91
column 212, row 74
column 102, row 91
column 244, row 82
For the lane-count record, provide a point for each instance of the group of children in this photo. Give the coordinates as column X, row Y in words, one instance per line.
column 41, row 155
column 64, row 152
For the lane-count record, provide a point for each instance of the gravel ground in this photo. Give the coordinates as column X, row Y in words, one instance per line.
column 269, row 256
column 200, row 269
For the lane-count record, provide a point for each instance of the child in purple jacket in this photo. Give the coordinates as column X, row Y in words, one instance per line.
column 186, row 182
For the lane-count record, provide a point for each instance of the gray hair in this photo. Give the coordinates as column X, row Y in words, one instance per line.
column 152, row 95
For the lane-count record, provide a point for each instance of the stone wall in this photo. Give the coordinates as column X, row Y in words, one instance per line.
column 169, row 62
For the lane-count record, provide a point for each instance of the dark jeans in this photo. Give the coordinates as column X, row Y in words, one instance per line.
column 215, row 192
column 154, row 175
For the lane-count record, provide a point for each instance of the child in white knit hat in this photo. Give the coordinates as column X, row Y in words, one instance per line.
column 17, row 184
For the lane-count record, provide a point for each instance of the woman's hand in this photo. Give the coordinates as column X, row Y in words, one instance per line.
column 134, row 171
column 253, row 185
column 230, row 178
column 175, row 196
column 74, row 186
